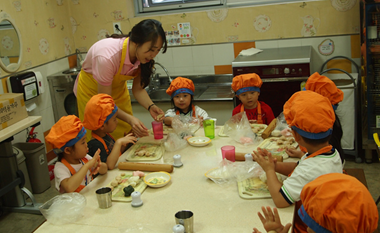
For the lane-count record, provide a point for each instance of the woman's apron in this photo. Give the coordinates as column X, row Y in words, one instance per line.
column 259, row 115
column 88, row 87
column 299, row 225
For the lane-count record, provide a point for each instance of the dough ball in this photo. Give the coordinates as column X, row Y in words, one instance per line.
column 280, row 142
column 114, row 183
column 122, row 174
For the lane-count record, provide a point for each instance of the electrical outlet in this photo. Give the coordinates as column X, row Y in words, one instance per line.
column 114, row 28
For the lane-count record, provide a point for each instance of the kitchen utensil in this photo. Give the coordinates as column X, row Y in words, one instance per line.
column 178, row 229
column 157, row 179
column 136, row 199
column 104, row 196
column 158, row 130
column 177, row 161
column 152, row 167
column 185, row 218
column 228, row 152
column 268, row 130
column 199, row 141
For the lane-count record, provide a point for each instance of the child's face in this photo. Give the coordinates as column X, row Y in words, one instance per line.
column 80, row 148
column 249, row 99
column 182, row 101
column 145, row 53
column 111, row 124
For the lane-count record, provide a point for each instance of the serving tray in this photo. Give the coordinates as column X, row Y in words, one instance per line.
column 118, row 193
column 253, row 188
column 157, row 150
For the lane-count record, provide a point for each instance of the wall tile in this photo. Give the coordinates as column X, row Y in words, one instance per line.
column 289, row 43
column 182, row 71
column 223, row 54
column 226, row 69
column 238, row 47
column 265, row 44
column 204, row 70
column 183, row 57
column 202, row 55
column 166, row 59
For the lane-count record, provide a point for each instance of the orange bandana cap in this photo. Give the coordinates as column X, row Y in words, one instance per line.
column 99, row 109
column 338, row 203
column 309, row 114
column 180, row 85
column 246, row 82
column 325, row 87
column 65, row 133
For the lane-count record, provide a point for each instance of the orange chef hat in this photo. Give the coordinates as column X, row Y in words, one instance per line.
column 338, row 203
column 180, row 85
column 324, row 86
column 99, row 109
column 246, row 82
column 309, row 114
column 65, row 133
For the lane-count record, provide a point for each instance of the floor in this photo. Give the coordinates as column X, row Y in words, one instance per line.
column 26, row 223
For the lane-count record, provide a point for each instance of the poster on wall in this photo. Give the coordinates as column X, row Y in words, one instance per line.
column 172, row 37
column 184, row 30
column 326, row 47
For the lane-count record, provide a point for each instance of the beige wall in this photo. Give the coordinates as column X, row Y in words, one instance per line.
column 66, row 25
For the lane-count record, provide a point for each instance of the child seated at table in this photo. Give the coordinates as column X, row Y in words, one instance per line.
column 75, row 167
column 100, row 117
column 311, row 118
column 327, row 88
column 328, row 206
column 181, row 91
column 247, row 89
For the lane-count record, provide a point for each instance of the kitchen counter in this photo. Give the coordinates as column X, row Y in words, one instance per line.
column 216, row 208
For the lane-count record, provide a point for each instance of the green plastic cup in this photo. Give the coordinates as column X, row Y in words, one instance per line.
column 209, row 127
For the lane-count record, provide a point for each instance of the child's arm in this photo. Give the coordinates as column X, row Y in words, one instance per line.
column 113, row 157
column 72, row 183
column 274, row 185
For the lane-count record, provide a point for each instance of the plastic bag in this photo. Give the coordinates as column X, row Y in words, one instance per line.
column 174, row 142
column 232, row 172
column 282, row 127
column 185, row 125
column 64, row 208
column 239, row 129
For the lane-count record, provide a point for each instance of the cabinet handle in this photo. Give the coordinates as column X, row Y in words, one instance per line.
column 60, row 90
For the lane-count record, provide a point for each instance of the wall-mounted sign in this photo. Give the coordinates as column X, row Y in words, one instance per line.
column 327, row 47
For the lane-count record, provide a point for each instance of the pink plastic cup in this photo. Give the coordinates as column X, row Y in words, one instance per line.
column 158, row 130
column 228, row 152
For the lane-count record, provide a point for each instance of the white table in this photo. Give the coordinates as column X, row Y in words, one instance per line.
column 216, row 208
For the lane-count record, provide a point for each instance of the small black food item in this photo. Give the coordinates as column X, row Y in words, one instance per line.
column 128, row 190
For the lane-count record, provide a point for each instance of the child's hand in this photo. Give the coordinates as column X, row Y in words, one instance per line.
column 294, row 153
column 129, row 138
column 271, row 221
column 95, row 162
column 260, row 157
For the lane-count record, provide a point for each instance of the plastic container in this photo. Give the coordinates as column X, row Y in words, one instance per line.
column 22, row 166
column 36, row 163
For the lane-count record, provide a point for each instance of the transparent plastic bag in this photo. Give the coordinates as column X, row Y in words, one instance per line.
column 174, row 142
column 232, row 172
column 282, row 127
column 239, row 129
column 185, row 125
column 63, row 209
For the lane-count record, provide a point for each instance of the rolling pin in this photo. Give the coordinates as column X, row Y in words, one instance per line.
column 239, row 156
column 150, row 167
column 268, row 130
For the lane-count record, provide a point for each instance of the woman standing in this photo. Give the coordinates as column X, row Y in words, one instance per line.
column 111, row 62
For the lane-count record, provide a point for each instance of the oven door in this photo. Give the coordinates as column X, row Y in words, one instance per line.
column 275, row 92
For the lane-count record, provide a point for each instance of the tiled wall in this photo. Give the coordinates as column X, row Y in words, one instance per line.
column 217, row 58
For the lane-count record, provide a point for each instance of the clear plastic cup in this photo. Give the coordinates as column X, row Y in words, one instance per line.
column 228, row 152
column 158, row 130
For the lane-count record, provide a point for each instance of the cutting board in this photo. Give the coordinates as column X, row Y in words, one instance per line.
column 271, row 144
column 253, row 188
column 118, row 193
column 157, row 150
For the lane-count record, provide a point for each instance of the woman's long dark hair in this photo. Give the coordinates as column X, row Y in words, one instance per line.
column 145, row 31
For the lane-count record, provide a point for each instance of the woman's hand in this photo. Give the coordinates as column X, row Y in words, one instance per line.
column 138, row 127
column 271, row 221
column 157, row 113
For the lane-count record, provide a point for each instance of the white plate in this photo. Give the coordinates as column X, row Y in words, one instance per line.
column 162, row 177
column 199, row 141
